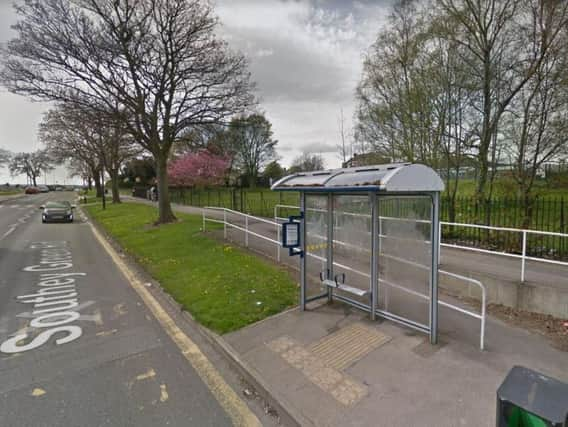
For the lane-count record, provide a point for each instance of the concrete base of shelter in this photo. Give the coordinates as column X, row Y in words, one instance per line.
column 403, row 382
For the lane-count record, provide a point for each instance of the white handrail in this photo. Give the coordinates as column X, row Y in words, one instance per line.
column 522, row 256
column 247, row 231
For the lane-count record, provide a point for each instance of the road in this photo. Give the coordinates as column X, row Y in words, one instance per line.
column 113, row 365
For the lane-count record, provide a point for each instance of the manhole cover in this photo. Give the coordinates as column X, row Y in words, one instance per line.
column 349, row 344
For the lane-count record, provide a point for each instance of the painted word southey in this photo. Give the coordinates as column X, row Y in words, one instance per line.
column 54, row 301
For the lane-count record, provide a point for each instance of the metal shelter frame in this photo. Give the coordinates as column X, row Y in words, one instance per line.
column 393, row 180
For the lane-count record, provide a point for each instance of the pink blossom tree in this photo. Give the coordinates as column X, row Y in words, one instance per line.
column 199, row 169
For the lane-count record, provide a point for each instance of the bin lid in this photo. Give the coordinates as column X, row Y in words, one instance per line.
column 392, row 177
column 538, row 394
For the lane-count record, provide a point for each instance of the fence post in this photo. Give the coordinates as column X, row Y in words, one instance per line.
column 523, row 259
column 278, row 241
column 246, row 231
column 439, row 242
column 225, row 223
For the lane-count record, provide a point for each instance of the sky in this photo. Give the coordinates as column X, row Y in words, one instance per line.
column 305, row 57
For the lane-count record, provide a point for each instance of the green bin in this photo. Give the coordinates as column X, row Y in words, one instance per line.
column 529, row 399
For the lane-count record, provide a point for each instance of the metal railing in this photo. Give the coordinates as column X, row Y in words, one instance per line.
column 523, row 256
column 246, row 229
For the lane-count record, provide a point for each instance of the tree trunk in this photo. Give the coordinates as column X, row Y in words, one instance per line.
column 528, row 204
column 89, row 183
column 34, row 179
column 165, row 213
column 114, row 186
column 98, row 186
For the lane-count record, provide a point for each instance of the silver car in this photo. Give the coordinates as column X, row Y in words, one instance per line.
column 57, row 212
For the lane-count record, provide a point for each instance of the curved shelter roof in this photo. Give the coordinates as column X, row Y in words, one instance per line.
column 392, row 177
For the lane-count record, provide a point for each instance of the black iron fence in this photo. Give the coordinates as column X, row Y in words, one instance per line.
column 547, row 214
column 254, row 202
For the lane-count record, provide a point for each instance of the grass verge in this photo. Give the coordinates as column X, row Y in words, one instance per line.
column 10, row 192
column 223, row 287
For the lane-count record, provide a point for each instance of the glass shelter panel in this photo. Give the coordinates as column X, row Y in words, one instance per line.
column 405, row 253
column 352, row 245
column 316, row 217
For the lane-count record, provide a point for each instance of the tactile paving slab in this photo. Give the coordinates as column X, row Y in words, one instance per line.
column 344, row 389
column 349, row 344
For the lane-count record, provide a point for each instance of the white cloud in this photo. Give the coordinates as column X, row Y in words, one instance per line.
column 314, row 63
column 305, row 56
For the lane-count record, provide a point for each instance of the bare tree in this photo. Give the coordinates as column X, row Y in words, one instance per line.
column 537, row 124
column 31, row 164
column 68, row 143
column 307, row 162
column 252, row 141
column 157, row 61
column 501, row 58
column 5, row 157
column 345, row 147
column 395, row 100
column 79, row 169
column 96, row 139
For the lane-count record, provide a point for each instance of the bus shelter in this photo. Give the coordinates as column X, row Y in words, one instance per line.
column 368, row 236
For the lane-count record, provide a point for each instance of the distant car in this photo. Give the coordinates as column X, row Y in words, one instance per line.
column 31, row 190
column 43, row 188
column 59, row 188
column 61, row 211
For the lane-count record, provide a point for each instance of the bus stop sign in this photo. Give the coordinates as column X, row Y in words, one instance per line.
column 291, row 235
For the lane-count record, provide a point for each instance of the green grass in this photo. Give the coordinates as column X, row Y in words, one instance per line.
column 506, row 187
column 223, row 287
column 10, row 192
column 91, row 197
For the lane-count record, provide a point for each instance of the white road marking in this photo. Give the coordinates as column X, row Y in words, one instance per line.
column 164, row 396
column 52, row 321
column 37, row 392
column 7, row 233
column 84, row 317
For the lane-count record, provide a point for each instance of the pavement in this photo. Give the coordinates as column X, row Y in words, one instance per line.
column 93, row 351
column 332, row 366
column 400, row 380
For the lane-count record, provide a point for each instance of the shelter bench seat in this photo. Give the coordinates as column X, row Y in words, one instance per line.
column 346, row 288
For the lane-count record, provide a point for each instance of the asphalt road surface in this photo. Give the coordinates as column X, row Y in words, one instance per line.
column 77, row 345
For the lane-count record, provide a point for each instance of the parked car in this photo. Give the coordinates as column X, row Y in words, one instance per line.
column 31, row 190
column 43, row 188
column 57, row 211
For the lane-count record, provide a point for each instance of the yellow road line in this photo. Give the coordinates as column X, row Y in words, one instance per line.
column 150, row 373
column 235, row 407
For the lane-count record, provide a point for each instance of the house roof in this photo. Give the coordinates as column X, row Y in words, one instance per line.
column 393, row 177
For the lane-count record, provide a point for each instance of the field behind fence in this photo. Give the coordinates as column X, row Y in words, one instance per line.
column 549, row 214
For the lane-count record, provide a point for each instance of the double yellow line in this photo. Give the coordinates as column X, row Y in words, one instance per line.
column 235, row 407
